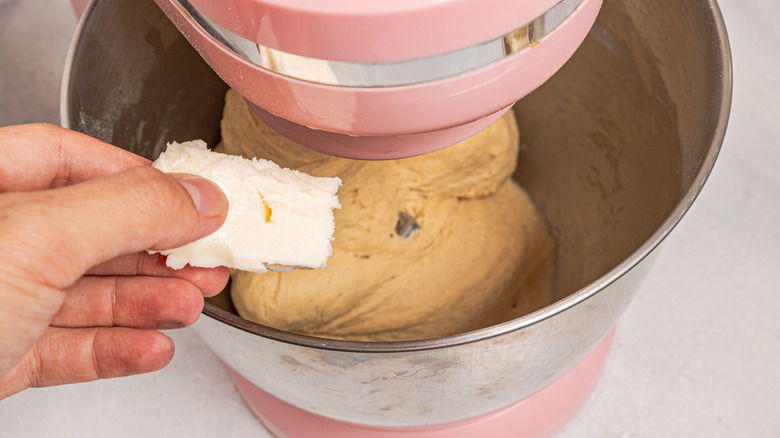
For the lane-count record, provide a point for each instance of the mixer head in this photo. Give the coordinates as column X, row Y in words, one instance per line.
column 382, row 80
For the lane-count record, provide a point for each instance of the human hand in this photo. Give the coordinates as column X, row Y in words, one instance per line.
column 80, row 299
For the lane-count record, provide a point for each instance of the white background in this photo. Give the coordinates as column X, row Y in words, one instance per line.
column 697, row 354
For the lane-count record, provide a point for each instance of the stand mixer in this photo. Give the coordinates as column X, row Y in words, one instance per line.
column 616, row 148
column 382, row 80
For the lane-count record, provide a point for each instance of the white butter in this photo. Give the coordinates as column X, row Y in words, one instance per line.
column 278, row 219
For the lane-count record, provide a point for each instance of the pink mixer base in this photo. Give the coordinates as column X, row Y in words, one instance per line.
column 541, row 415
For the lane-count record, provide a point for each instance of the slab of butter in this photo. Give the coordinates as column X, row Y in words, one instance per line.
column 278, row 219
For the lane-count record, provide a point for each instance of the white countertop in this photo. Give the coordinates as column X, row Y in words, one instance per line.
column 697, row 354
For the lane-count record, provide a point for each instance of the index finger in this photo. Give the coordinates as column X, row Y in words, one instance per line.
column 41, row 156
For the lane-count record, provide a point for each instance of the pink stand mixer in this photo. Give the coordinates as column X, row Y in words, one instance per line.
column 382, row 80
column 387, row 80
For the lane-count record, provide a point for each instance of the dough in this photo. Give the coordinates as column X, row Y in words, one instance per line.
column 482, row 254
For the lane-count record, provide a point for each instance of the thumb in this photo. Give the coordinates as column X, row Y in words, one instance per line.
column 61, row 233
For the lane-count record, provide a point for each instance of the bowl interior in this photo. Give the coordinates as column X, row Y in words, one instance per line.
column 613, row 147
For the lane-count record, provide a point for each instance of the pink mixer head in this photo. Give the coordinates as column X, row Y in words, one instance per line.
column 383, row 80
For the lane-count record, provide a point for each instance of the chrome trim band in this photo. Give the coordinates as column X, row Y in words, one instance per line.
column 384, row 74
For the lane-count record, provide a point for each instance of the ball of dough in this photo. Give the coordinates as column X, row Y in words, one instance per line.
column 482, row 254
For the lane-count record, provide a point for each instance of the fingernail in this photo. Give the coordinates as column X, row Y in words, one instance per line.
column 207, row 196
column 170, row 324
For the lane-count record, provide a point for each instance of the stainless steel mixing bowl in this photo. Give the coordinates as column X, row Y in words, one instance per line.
column 614, row 150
